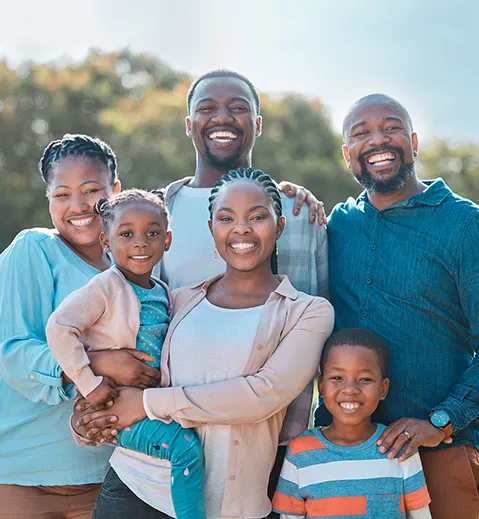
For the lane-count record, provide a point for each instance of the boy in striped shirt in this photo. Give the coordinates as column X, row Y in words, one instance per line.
column 338, row 471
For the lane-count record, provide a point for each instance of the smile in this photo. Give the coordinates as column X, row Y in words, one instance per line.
column 223, row 136
column 83, row 222
column 350, row 406
column 140, row 258
column 242, row 246
column 381, row 159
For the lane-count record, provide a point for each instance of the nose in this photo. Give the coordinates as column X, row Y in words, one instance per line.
column 78, row 204
column 222, row 115
column 378, row 138
column 350, row 388
column 242, row 226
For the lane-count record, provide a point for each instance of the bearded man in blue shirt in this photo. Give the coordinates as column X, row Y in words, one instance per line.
column 404, row 263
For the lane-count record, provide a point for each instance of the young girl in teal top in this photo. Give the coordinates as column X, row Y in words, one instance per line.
column 136, row 233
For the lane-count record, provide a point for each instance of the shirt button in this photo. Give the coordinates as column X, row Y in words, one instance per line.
column 259, row 346
column 236, row 442
column 369, row 281
column 364, row 314
column 232, row 478
column 32, row 375
column 374, row 247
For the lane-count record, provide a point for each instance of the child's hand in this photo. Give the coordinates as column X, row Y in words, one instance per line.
column 103, row 394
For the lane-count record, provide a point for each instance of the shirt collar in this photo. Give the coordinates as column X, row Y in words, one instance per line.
column 434, row 194
column 284, row 289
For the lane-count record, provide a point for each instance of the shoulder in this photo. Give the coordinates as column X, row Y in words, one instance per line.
column 315, row 306
column 174, row 187
column 182, row 294
column 30, row 244
column 307, row 441
column 343, row 210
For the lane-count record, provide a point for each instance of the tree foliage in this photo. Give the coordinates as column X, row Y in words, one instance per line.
column 137, row 104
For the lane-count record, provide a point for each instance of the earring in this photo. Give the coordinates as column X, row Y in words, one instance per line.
column 215, row 253
column 166, row 247
column 107, row 249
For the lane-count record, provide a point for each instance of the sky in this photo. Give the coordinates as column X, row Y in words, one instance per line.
column 423, row 52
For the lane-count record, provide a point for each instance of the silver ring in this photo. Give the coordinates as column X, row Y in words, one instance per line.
column 408, row 435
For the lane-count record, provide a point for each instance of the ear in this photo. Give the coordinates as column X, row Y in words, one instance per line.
column 415, row 145
column 105, row 242
column 116, row 187
column 280, row 226
column 346, row 156
column 384, row 388
column 168, row 240
column 259, row 126
column 320, row 385
column 188, row 125
column 210, row 226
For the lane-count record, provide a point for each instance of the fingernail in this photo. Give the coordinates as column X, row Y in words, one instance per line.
column 296, row 213
column 378, row 442
column 382, row 450
column 390, row 456
column 113, row 419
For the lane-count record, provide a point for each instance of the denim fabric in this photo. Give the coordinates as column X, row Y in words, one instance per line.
column 117, row 501
column 169, row 441
column 411, row 274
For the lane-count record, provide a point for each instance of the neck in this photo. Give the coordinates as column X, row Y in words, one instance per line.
column 349, row 435
column 91, row 254
column 384, row 200
column 142, row 280
column 258, row 281
column 206, row 174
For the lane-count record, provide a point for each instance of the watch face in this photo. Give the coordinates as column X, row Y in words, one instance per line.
column 440, row 419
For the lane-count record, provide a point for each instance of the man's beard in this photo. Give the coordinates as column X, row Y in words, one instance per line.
column 223, row 163
column 376, row 185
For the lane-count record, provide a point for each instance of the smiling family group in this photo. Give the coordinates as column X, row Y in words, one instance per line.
column 184, row 329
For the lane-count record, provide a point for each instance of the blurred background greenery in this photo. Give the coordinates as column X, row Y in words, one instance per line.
column 137, row 104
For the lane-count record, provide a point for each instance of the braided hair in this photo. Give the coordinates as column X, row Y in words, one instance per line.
column 77, row 145
column 265, row 182
column 106, row 206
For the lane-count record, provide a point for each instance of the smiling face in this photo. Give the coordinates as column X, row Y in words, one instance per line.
column 352, row 385
column 380, row 146
column 137, row 237
column 244, row 225
column 223, row 122
column 74, row 186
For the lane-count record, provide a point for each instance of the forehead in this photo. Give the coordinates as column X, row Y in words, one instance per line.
column 242, row 192
column 222, row 88
column 374, row 112
column 76, row 170
column 355, row 356
column 137, row 210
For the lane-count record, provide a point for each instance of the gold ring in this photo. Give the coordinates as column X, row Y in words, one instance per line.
column 408, row 435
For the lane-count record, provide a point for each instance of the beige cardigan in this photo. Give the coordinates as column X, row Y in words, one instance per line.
column 102, row 315
column 284, row 358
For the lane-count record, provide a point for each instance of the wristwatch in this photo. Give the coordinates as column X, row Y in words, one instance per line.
column 440, row 419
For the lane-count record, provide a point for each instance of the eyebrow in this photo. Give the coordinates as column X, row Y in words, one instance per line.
column 232, row 100
column 250, row 210
column 81, row 185
column 130, row 223
column 337, row 368
column 388, row 118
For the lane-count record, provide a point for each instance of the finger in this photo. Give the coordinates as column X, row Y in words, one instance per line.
column 299, row 201
column 141, row 355
column 410, row 449
column 288, row 189
column 88, row 418
column 389, row 435
column 401, row 440
column 102, row 423
column 149, row 371
column 82, row 405
column 313, row 212
column 322, row 219
column 447, row 440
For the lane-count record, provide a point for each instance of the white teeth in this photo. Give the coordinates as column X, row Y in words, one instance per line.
column 139, row 257
column 382, row 158
column 350, row 405
column 82, row 223
column 242, row 246
column 223, row 136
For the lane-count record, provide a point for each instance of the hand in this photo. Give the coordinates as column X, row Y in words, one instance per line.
column 422, row 433
column 103, row 393
column 125, row 367
column 302, row 195
column 126, row 410
column 82, row 406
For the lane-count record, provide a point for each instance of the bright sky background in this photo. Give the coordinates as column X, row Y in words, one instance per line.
column 423, row 52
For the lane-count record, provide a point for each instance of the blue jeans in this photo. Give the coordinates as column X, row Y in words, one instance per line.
column 182, row 448
column 117, row 501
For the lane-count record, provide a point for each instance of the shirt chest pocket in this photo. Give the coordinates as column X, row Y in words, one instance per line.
column 385, row 506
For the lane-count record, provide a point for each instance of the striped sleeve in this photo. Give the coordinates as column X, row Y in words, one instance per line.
column 287, row 498
column 416, row 494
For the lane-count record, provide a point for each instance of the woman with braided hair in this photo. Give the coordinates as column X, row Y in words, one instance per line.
column 240, row 347
column 42, row 473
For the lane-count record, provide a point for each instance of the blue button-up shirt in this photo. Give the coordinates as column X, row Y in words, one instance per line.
column 411, row 274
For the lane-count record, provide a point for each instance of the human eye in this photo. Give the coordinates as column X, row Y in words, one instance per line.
column 92, row 190
column 392, row 127
column 366, row 379
column 360, row 133
column 257, row 217
column 153, row 234
column 239, row 108
column 205, row 108
column 126, row 234
column 60, row 195
column 335, row 377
